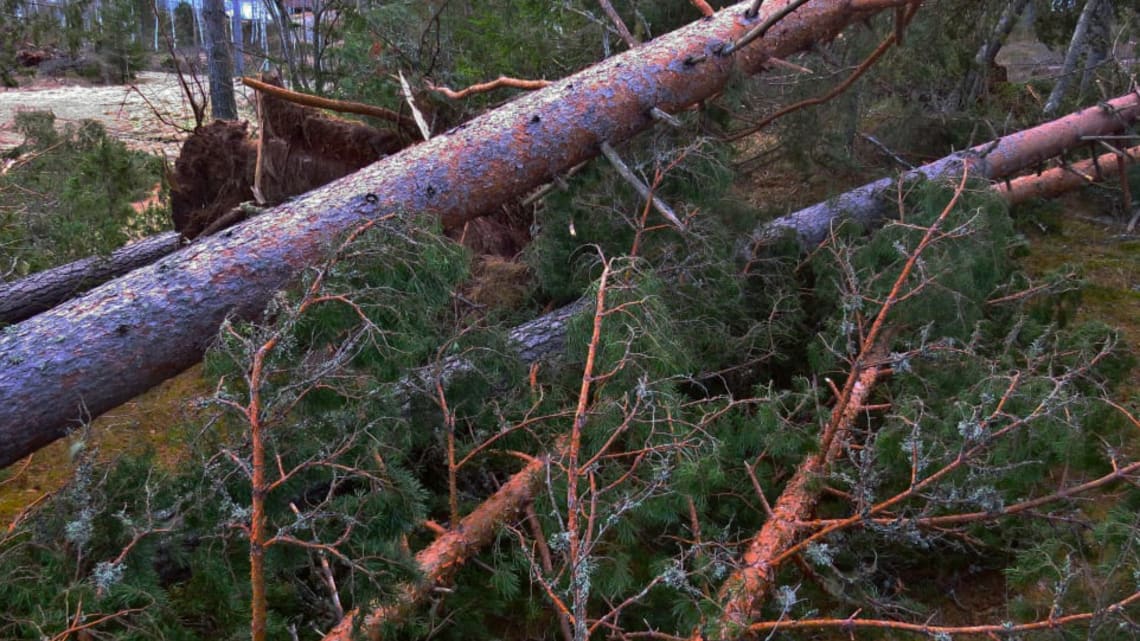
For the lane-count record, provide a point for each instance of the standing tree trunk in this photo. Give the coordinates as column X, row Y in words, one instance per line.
column 1099, row 42
column 1076, row 46
column 288, row 41
column 235, row 27
column 95, row 352
column 221, row 66
column 975, row 81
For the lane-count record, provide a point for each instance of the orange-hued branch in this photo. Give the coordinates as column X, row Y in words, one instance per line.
column 498, row 83
column 440, row 560
column 747, row 587
column 340, row 106
column 703, row 7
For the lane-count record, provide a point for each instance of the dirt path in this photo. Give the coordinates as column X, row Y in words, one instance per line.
column 134, row 113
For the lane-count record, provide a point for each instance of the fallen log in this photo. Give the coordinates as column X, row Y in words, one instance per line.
column 43, row 290
column 542, row 337
column 872, row 203
column 93, row 353
column 447, row 554
column 1058, row 180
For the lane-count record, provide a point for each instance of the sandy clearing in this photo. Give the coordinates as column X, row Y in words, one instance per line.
column 128, row 111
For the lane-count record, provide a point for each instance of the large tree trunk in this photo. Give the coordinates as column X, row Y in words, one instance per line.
column 89, row 355
column 43, row 290
column 873, row 203
column 220, row 62
column 236, row 32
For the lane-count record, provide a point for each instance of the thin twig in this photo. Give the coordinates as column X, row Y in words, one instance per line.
column 625, row 172
column 703, row 7
column 863, row 67
column 759, row 30
column 619, row 24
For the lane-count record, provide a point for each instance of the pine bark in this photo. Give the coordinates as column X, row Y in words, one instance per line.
column 43, row 290
column 95, row 352
column 1058, row 180
column 236, row 31
column 872, row 203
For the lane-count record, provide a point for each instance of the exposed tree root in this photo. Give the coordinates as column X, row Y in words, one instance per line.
column 302, row 150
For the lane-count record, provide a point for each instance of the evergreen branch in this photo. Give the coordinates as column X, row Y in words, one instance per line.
column 965, row 456
column 863, row 67
column 852, row 623
column 750, row 583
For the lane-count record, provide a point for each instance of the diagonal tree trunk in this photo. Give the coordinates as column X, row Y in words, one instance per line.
column 93, row 353
column 543, row 339
column 975, row 80
column 1076, row 46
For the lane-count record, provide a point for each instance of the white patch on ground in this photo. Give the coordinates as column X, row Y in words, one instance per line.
column 145, row 115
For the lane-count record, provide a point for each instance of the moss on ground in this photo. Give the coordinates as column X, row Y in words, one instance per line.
column 156, row 420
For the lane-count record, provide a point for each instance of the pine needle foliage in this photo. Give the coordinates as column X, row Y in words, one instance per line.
column 1004, row 397
column 70, row 196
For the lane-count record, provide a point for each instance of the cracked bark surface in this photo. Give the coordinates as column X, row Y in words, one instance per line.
column 44, row 290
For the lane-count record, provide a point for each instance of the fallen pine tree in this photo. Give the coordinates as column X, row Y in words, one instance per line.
column 454, row 605
column 998, row 159
column 213, row 176
column 93, row 353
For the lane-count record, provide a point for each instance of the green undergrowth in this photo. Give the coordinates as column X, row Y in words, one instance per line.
column 68, row 194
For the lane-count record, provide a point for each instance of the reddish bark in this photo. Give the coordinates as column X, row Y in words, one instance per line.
column 870, row 204
column 749, row 584
column 440, row 560
column 1056, row 181
column 95, row 352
